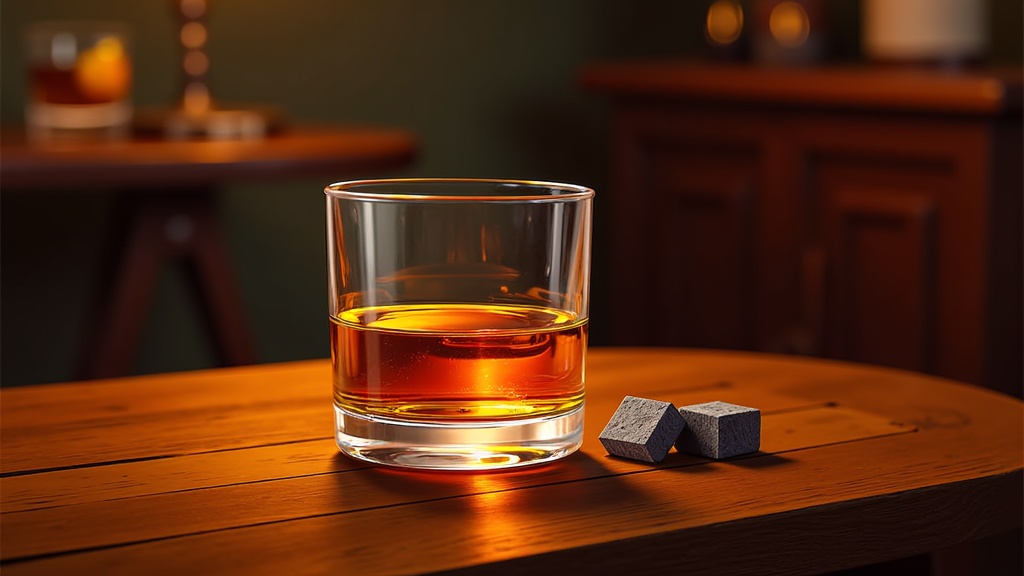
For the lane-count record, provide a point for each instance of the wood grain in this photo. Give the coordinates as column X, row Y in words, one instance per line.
column 156, row 416
column 854, row 465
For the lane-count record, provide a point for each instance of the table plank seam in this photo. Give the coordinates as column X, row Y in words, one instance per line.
column 14, row 473
column 103, row 463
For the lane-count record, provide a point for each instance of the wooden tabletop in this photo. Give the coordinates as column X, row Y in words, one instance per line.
column 156, row 162
column 234, row 471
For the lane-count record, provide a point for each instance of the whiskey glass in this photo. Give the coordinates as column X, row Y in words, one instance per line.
column 80, row 80
column 458, row 320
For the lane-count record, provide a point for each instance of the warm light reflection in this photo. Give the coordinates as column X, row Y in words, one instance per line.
column 493, row 507
column 193, row 35
column 725, row 21
column 789, row 24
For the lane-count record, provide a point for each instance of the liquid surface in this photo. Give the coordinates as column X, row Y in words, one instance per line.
column 458, row 362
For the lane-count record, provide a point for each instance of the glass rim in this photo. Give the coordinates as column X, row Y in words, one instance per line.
column 565, row 192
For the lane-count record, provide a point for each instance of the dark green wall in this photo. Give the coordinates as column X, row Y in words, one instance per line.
column 488, row 86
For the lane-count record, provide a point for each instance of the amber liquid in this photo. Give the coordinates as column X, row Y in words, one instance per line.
column 458, row 362
column 56, row 86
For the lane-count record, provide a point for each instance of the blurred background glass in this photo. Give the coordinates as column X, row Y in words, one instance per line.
column 80, row 79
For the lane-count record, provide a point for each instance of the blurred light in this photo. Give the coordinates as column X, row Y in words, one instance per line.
column 789, row 24
column 64, row 50
column 724, row 22
column 196, row 63
column 193, row 34
column 196, row 99
column 193, row 8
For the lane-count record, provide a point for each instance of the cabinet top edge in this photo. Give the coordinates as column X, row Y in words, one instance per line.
column 968, row 91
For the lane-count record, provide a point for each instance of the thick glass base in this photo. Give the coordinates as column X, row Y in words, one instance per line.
column 458, row 446
column 70, row 122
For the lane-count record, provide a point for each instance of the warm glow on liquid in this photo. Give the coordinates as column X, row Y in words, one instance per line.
column 458, row 361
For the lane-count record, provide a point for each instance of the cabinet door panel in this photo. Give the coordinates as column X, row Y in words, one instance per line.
column 702, row 212
column 686, row 215
column 882, row 249
column 891, row 202
column 880, row 225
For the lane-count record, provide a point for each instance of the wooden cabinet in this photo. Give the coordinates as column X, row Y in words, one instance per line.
column 859, row 214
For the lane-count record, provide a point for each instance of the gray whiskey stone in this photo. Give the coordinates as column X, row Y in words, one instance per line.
column 642, row 429
column 720, row 430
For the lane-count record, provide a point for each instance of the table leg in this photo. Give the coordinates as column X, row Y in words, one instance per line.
column 164, row 228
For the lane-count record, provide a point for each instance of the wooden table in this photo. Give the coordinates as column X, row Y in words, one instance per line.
column 234, row 471
column 167, row 210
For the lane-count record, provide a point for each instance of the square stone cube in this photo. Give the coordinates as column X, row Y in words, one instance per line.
column 642, row 429
column 720, row 430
